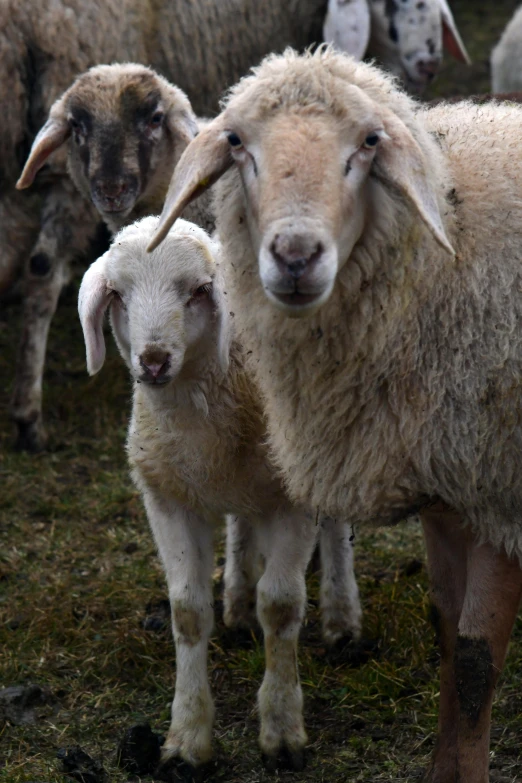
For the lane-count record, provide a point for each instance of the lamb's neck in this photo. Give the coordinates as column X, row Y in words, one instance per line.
column 194, row 392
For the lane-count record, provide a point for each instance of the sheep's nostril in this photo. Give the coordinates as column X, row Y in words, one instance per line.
column 428, row 68
column 295, row 254
column 155, row 364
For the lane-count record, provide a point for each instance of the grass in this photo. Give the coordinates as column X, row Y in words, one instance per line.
column 78, row 570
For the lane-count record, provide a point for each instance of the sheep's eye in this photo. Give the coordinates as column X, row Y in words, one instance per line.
column 156, row 119
column 76, row 126
column 371, row 141
column 234, row 141
column 202, row 292
column 116, row 297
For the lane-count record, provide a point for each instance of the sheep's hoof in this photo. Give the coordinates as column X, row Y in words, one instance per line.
column 286, row 758
column 31, row 436
column 175, row 770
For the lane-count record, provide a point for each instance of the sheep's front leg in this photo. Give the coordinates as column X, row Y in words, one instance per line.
column 242, row 571
column 476, row 593
column 341, row 614
column 67, row 223
column 281, row 597
column 185, row 545
column 493, row 591
column 447, row 546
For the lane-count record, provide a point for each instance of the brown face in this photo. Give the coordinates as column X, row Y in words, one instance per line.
column 115, row 142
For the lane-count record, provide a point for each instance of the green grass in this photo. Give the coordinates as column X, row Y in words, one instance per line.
column 78, row 568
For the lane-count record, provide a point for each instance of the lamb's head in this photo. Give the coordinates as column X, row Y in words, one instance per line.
column 320, row 147
column 127, row 128
column 166, row 309
column 407, row 36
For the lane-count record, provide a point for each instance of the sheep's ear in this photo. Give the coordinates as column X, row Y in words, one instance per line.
column 347, row 26
column 450, row 35
column 400, row 163
column 203, row 162
column 183, row 125
column 53, row 134
column 93, row 301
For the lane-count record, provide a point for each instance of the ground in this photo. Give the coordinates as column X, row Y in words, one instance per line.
column 81, row 591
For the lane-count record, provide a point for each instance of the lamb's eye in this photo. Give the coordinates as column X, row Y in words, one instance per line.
column 156, row 119
column 371, row 141
column 234, row 141
column 118, row 299
column 201, row 292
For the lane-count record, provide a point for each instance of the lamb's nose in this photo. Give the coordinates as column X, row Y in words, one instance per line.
column 295, row 253
column 112, row 190
column 154, row 364
column 428, row 67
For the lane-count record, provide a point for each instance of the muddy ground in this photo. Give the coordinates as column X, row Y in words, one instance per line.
column 81, row 615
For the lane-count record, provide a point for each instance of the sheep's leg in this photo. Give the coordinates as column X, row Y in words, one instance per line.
column 67, row 224
column 281, row 596
column 185, row 545
column 446, row 545
column 476, row 593
column 341, row 612
column 241, row 573
column 493, row 592
column 44, row 279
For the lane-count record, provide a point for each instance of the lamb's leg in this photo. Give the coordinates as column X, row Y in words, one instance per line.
column 185, row 545
column 476, row 593
column 446, row 546
column 493, row 593
column 242, row 571
column 281, row 596
column 66, row 225
column 341, row 613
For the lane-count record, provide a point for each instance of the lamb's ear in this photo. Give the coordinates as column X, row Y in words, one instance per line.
column 450, row 35
column 203, row 162
column 53, row 134
column 93, row 301
column 400, row 163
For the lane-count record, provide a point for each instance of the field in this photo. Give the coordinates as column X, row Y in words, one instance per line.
column 82, row 595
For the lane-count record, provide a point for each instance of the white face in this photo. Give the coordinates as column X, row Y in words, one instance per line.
column 408, row 35
column 306, row 185
column 161, row 315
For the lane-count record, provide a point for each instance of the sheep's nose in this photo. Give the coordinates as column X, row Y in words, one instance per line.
column 428, row 67
column 112, row 189
column 295, row 253
column 154, row 364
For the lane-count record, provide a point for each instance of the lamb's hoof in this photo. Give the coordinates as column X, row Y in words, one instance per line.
column 176, row 770
column 286, row 758
column 352, row 653
column 31, row 437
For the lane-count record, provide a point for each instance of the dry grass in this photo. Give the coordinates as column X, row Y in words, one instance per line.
column 78, row 569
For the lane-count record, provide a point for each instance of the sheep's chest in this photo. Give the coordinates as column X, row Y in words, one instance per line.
column 204, row 462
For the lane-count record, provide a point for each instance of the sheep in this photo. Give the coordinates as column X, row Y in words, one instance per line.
column 378, row 290
column 407, row 38
column 197, row 452
column 347, row 26
column 506, row 57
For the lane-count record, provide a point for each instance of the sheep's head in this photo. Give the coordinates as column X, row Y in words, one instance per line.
column 316, row 156
column 166, row 309
column 127, row 128
column 407, row 36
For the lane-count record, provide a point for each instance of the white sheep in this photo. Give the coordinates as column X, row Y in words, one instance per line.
column 396, row 383
column 506, row 57
column 408, row 38
column 196, row 446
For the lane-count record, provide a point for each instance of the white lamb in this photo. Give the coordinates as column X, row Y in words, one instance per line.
column 396, row 383
column 197, row 449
